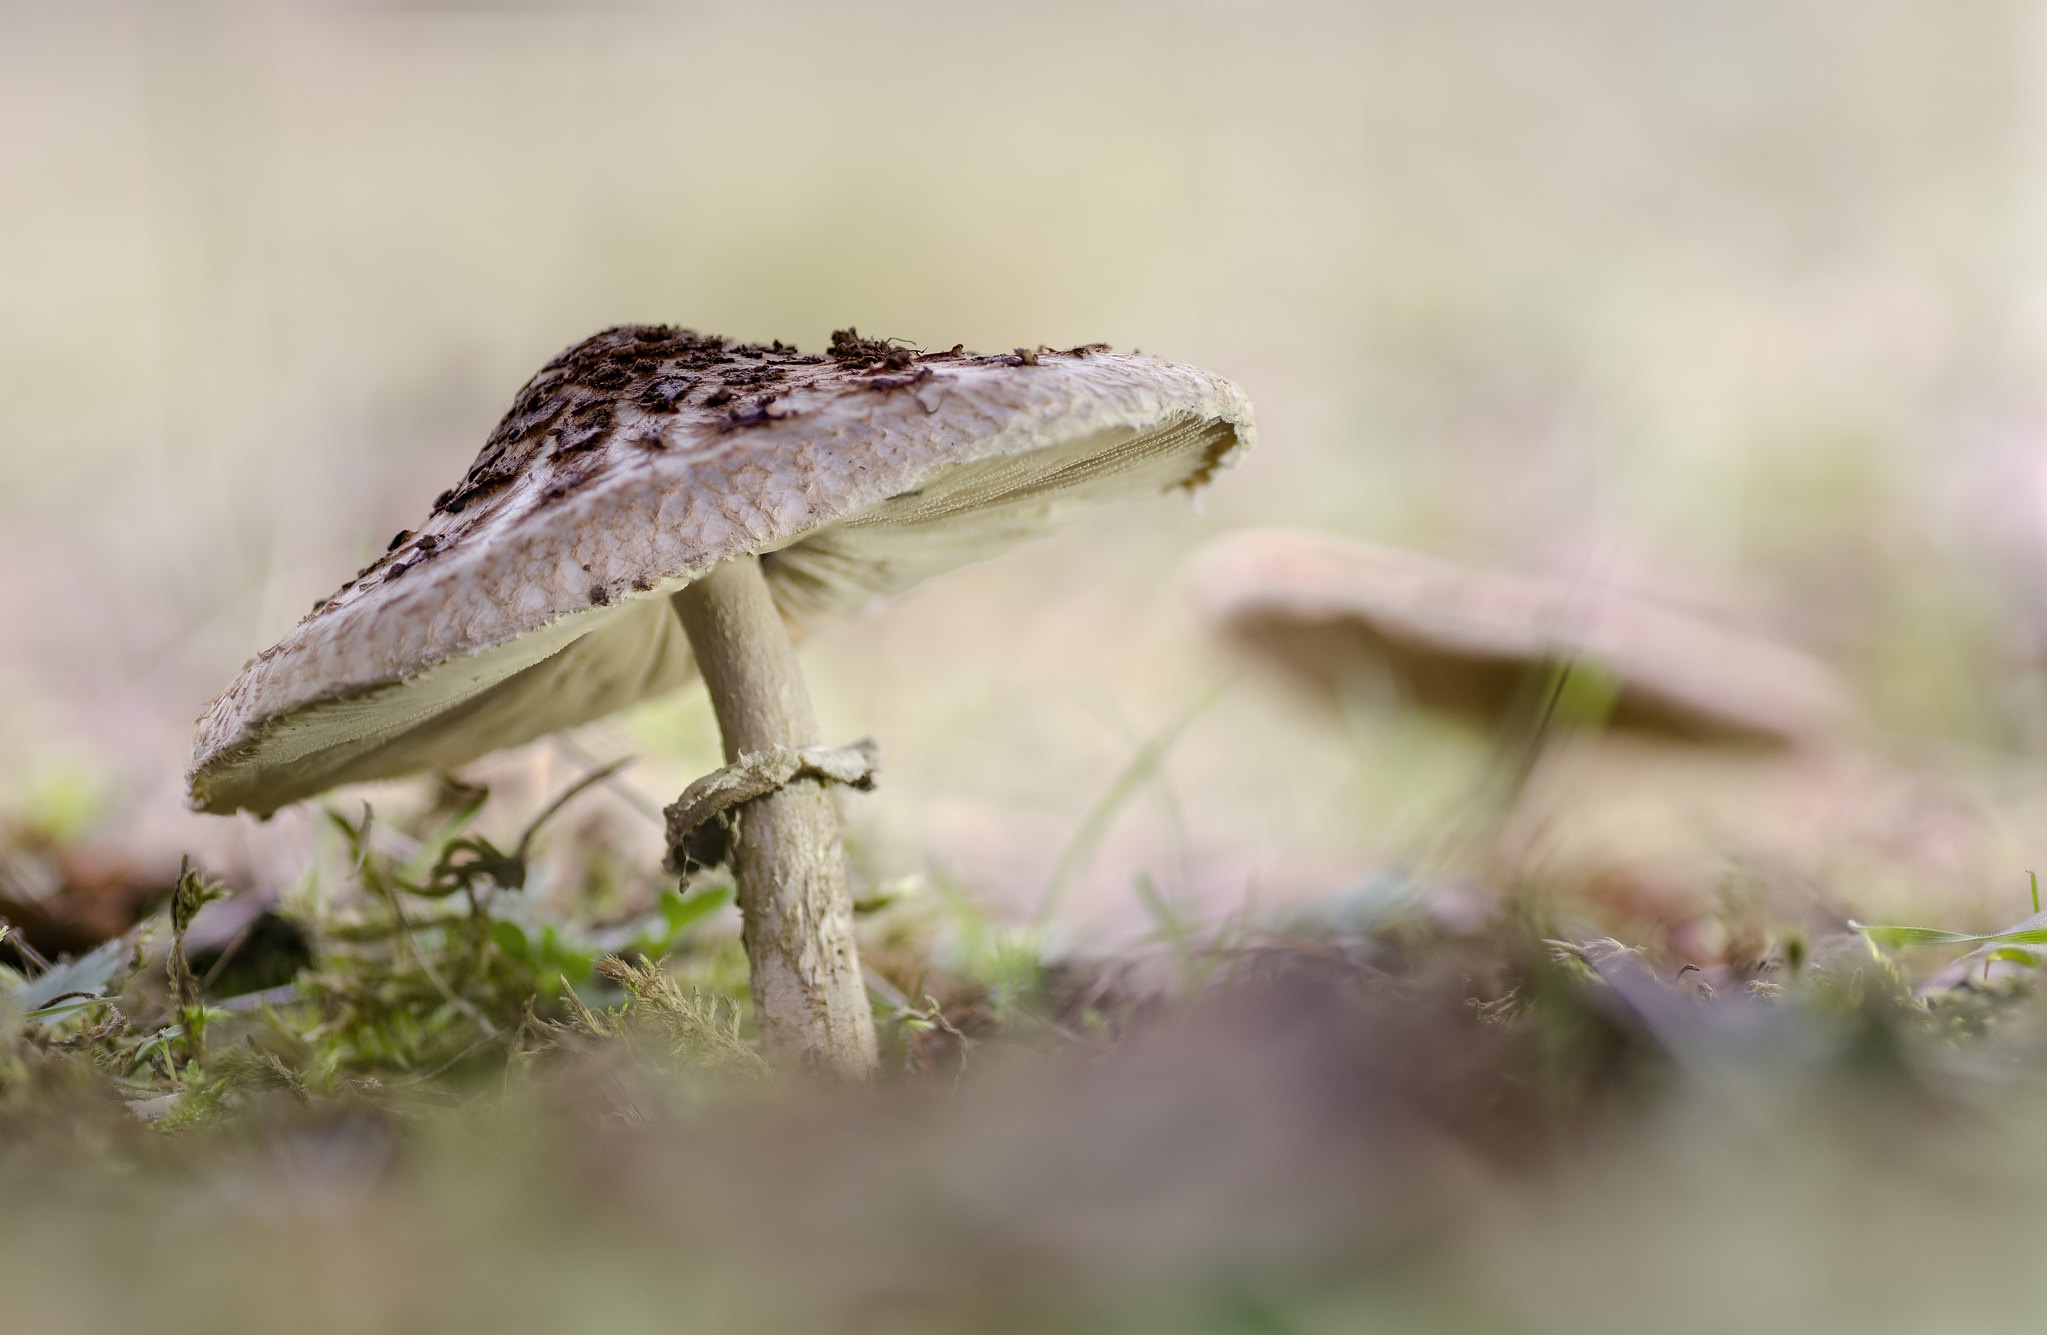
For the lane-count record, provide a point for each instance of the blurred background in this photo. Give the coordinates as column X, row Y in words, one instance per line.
column 1740, row 305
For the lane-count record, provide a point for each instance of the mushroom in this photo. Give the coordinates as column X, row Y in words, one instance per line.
column 1472, row 641
column 660, row 502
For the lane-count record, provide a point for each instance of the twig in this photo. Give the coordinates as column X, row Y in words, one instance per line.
column 594, row 777
column 35, row 959
column 630, row 795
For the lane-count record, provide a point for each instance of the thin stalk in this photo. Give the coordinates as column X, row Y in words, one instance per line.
column 796, row 914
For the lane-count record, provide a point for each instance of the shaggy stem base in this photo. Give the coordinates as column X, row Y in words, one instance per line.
column 797, row 916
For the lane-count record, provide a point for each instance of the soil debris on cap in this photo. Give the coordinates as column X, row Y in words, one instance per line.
column 885, row 383
column 752, row 412
column 617, row 377
column 662, row 395
column 848, row 346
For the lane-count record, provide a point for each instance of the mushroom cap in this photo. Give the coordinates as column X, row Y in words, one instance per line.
column 1465, row 640
column 536, row 595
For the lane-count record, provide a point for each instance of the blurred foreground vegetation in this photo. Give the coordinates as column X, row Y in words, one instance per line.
column 434, row 1107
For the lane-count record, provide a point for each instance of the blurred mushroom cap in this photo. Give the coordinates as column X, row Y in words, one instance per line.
column 535, row 596
column 1328, row 609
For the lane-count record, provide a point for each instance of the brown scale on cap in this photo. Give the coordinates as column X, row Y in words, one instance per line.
column 664, row 392
column 849, row 347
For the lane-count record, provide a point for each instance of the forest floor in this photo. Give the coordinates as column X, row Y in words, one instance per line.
column 401, row 1099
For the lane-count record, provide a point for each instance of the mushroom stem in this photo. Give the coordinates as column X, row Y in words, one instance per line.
column 797, row 916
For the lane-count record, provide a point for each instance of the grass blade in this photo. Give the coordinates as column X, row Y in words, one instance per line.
column 1933, row 936
column 1142, row 769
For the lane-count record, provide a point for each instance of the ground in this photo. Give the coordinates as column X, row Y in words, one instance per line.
column 424, row 1108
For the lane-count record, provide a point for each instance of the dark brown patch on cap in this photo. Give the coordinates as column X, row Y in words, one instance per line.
column 663, row 394
column 849, row 348
column 749, row 376
column 751, row 413
column 563, row 485
column 885, row 383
